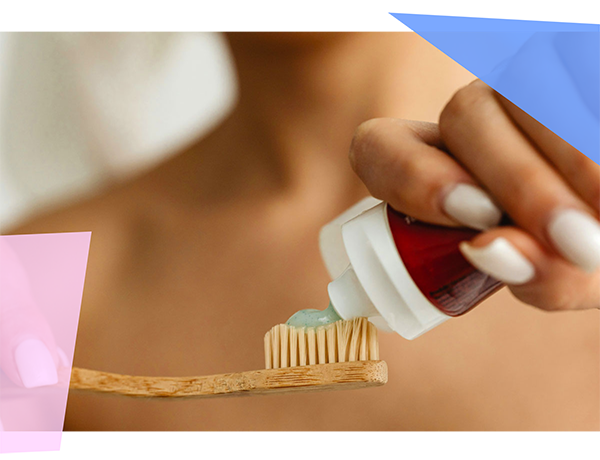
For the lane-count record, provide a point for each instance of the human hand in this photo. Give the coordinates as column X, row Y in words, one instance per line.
column 485, row 158
column 29, row 356
column 28, row 353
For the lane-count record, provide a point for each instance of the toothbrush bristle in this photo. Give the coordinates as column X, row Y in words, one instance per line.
column 352, row 340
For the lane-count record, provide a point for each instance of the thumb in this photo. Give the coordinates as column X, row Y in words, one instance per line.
column 28, row 354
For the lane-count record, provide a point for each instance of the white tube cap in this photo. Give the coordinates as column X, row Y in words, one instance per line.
column 331, row 243
column 376, row 283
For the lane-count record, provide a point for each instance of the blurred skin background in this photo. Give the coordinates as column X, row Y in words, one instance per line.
column 205, row 166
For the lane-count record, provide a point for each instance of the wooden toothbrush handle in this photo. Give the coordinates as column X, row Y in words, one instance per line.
column 318, row 377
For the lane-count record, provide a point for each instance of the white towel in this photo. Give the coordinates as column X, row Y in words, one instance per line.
column 77, row 109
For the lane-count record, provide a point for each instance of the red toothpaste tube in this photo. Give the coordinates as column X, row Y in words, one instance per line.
column 405, row 275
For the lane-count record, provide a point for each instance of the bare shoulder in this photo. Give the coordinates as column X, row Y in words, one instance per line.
column 101, row 213
column 111, row 217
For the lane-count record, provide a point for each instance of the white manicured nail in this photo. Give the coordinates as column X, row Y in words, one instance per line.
column 501, row 260
column 576, row 235
column 35, row 364
column 471, row 206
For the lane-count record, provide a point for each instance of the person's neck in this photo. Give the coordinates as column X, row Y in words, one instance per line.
column 310, row 99
column 298, row 108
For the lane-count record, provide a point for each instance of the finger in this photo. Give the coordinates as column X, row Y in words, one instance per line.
column 401, row 162
column 535, row 275
column 27, row 348
column 581, row 173
column 480, row 134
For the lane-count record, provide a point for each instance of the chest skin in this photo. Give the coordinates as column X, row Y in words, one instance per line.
column 195, row 297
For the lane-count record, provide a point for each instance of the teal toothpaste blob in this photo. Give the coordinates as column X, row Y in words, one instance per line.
column 314, row 318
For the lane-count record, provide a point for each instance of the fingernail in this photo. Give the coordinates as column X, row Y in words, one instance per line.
column 35, row 364
column 501, row 260
column 471, row 206
column 576, row 235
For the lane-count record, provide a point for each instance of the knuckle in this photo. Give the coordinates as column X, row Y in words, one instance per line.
column 530, row 196
column 534, row 178
column 465, row 103
column 414, row 182
column 378, row 144
column 408, row 168
column 367, row 137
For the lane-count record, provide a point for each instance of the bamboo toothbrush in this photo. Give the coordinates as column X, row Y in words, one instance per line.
column 341, row 355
